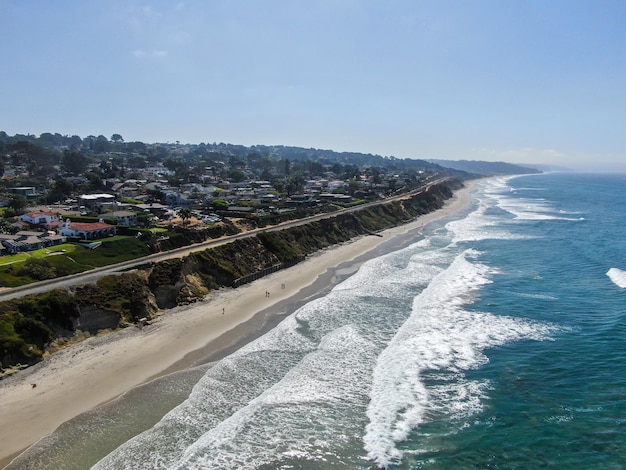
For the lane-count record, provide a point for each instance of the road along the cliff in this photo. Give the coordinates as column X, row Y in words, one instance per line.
column 92, row 276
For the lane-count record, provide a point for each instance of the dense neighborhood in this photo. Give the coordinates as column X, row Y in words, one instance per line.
column 57, row 189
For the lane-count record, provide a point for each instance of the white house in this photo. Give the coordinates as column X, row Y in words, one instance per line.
column 39, row 218
column 125, row 218
column 86, row 230
column 96, row 200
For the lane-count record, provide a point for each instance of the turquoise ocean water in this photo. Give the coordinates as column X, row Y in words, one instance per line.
column 495, row 340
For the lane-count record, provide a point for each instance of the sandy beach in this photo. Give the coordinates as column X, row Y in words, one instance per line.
column 94, row 371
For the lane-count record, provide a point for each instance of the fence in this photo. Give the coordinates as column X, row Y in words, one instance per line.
column 264, row 272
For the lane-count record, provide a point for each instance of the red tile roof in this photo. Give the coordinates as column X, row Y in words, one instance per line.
column 89, row 226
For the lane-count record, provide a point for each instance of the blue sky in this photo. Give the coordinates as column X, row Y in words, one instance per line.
column 522, row 81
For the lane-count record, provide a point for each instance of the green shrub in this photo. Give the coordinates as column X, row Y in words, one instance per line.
column 276, row 244
column 37, row 268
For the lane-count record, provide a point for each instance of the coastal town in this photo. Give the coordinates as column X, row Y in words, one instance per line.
column 57, row 189
column 60, row 192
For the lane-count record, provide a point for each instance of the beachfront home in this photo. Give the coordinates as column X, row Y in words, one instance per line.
column 86, row 230
column 29, row 241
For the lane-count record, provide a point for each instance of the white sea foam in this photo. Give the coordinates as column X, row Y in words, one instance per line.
column 618, row 277
column 533, row 209
column 443, row 338
column 478, row 225
column 301, row 391
column 526, row 209
column 486, row 221
column 298, row 416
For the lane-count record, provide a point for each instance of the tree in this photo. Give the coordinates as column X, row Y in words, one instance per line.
column 351, row 172
column 295, row 185
column 61, row 189
column 95, row 181
column 73, row 162
column 154, row 195
column 280, row 184
column 219, row 204
column 236, row 176
column 75, row 141
column 101, row 144
column 353, row 186
column 17, row 202
column 50, row 140
column 138, row 147
column 136, row 161
column 24, row 151
column 117, row 138
column 7, row 227
column 185, row 214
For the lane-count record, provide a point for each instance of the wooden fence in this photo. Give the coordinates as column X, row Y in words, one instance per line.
column 264, row 272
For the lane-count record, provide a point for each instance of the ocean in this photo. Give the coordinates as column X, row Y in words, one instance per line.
column 494, row 339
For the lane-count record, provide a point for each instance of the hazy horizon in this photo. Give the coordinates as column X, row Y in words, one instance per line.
column 528, row 83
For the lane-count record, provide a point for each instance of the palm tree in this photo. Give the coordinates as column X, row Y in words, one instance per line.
column 185, row 214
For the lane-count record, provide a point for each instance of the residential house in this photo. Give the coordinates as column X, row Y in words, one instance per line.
column 27, row 241
column 177, row 199
column 159, row 210
column 128, row 188
column 96, row 202
column 302, row 200
column 23, row 190
column 86, row 230
column 124, row 218
column 45, row 219
column 332, row 197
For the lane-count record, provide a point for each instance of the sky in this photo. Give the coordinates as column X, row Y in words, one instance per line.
column 528, row 81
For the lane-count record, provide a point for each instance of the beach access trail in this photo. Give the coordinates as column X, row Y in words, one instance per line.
column 99, row 369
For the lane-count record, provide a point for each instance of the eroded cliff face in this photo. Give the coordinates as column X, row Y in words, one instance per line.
column 93, row 319
column 188, row 279
column 117, row 301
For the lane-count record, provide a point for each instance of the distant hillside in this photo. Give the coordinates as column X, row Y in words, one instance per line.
column 93, row 146
column 350, row 158
column 544, row 168
column 485, row 168
column 52, row 145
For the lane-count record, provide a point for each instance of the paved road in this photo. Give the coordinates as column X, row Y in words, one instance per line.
column 93, row 275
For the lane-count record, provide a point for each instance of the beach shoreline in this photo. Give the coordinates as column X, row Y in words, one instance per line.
column 99, row 369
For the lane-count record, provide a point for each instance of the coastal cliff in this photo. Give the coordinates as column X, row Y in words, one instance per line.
column 32, row 325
